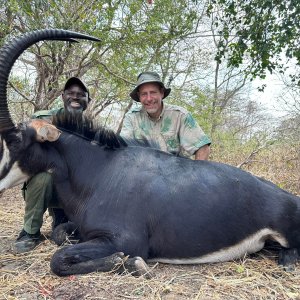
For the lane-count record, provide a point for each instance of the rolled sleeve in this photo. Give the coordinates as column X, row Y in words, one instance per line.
column 192, row 137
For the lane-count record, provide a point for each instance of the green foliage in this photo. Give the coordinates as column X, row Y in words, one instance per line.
column 231, row 149
column 260, row 31
column 197, row 103
column 134, row 37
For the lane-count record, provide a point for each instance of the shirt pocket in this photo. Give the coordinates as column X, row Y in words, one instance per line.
column 172, row 141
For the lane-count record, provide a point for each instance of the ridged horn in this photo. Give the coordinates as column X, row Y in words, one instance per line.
column 10, row 52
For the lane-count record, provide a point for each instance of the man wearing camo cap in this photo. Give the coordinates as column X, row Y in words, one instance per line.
column 172, row 127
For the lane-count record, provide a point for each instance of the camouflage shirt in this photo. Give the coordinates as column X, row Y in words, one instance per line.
column 176, row 131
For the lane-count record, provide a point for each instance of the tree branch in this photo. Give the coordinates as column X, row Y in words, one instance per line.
column 21, row 94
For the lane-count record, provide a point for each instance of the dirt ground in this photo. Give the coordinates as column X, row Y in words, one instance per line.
column 28, row 276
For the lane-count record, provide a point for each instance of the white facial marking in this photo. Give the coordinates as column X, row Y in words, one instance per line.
column 251, row 244
column 5, row 157
column 14, row 177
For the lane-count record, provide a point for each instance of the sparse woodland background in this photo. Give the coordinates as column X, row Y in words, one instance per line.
column 208, row 52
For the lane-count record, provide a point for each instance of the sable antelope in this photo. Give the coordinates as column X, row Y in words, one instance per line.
column 139, row 202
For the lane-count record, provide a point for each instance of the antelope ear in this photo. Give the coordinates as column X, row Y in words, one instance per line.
column 45, row 131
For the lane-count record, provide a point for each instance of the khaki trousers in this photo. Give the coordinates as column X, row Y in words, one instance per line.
column 39, row 195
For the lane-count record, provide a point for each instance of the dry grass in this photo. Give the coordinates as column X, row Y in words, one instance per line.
column 279, row 164
column 28, row 276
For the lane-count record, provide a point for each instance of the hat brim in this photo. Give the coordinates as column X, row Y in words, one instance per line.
column 134, row 93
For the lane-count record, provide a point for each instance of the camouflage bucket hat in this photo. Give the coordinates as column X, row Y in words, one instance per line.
column 148, row 77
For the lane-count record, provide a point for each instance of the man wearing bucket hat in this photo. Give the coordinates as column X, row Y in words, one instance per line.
column 38, row 191
column 172, row 127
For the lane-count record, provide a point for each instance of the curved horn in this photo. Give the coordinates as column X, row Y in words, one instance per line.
column 10, row 52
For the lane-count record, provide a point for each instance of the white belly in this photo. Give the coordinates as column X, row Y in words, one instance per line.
column 251, row 244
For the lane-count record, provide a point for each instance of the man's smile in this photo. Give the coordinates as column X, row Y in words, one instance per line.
column 74, row 104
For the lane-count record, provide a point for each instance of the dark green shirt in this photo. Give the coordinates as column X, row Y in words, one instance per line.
column 47, row 114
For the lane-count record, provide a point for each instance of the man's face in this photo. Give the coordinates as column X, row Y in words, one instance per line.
column 151, row 95
column 75, row 99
